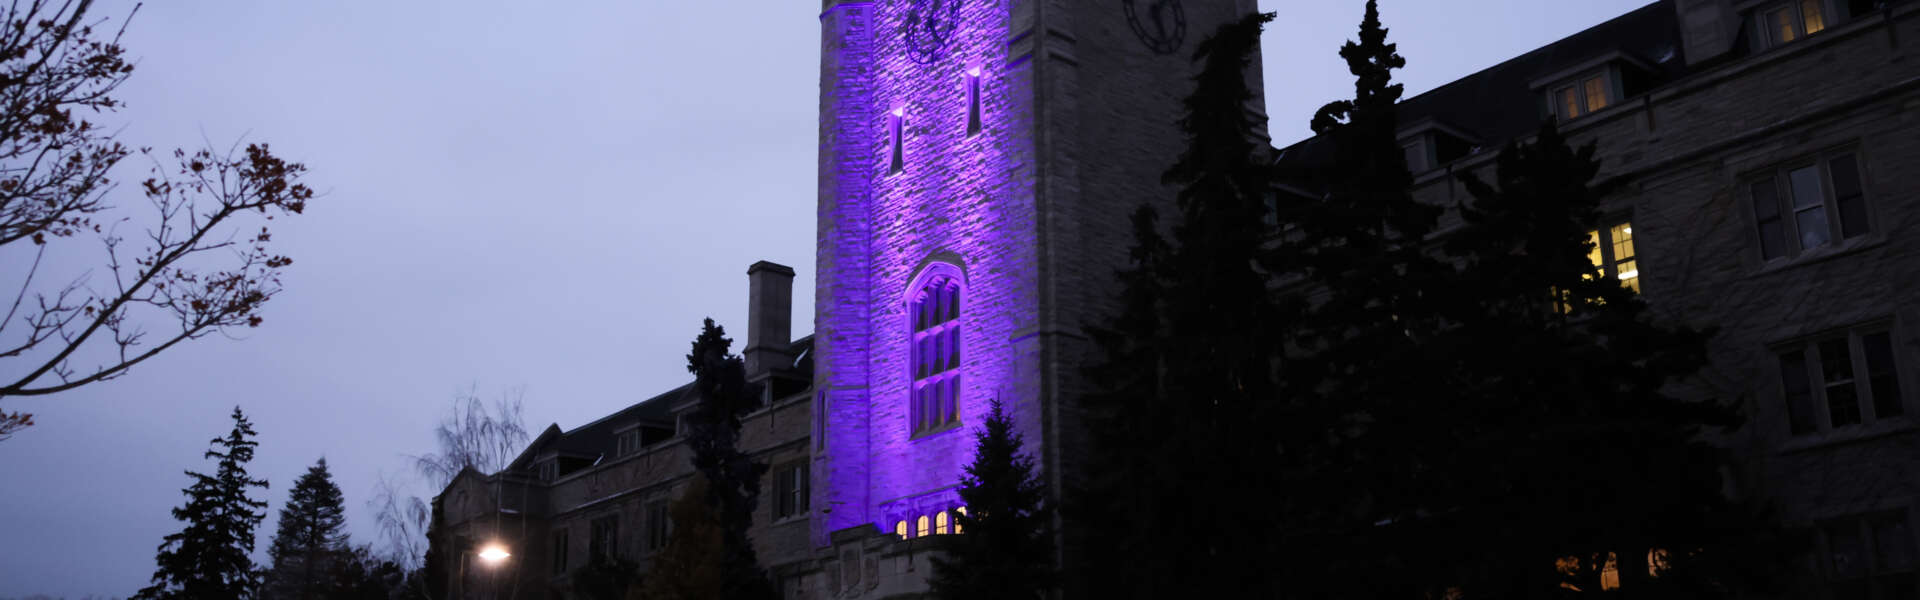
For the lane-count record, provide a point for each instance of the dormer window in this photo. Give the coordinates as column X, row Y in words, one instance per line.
column 1790, row 21
column 1427, row 145
column 627, row 442
column 1416, row 152
column 1583, row 96
column 547, row 470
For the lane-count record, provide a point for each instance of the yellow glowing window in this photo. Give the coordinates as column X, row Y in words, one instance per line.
column 956, row 522
column 921, row 530
column 1613, row 254
column 900, row 529
column 1624, row 266
column 1781, row 23
column 1593, row 256
column 1610, row 574
column 1810, row 14
column 940, row 523
column 1596, row 94
column 1582, row 96
column 1569, row 568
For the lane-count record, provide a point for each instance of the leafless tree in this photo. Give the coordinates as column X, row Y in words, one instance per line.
column 189, row 260
column 474, row 434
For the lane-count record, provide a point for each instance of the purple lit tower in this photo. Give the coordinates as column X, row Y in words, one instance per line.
column 978, row 162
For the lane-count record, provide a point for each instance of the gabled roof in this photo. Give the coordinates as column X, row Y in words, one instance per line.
column 597, row 438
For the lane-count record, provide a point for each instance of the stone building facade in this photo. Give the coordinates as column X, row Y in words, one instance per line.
column 978, row 160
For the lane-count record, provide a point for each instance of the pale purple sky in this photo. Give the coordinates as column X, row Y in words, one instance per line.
column 513, row 196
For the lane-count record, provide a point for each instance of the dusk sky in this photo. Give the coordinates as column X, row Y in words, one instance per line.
column 511, row 196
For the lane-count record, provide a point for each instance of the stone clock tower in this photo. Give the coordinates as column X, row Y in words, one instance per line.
column 979, row 160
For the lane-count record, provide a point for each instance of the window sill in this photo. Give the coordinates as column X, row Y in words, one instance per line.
column 935, row 432
column 1822, row 254
column 1849, row 434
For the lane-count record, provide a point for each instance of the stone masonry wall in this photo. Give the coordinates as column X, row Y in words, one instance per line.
column 1690, row 150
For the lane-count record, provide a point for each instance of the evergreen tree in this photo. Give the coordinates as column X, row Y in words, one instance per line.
column 713, row 433
column 211, row 557
column 1006, row 552
column 311, row 538
column 1182, row 463
column 1359, row 373
column 360, row 575
column 1566, row 447
column 689, row 567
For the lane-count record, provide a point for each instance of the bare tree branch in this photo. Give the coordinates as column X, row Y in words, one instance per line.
column 194, row 266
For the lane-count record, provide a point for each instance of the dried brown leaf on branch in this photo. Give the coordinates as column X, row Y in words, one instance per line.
column 176, row 269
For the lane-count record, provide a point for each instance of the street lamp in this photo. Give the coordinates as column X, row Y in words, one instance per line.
column 493, row 554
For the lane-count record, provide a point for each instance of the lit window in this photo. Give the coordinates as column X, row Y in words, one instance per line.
column 1610, row 573
column 1853, row 374
column 920, row 528
column 1793, row 20
column 973, row 100
column 1613, row 254
column 940, row 523
column 900, row 529
column 1596, row 93
column 1806, row 206
column 936, row 354
column 1658, row 562
column 1582, row 96
column 896, row 123
column 956, row 521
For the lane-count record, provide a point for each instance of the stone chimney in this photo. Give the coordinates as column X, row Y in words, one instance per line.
column 769, row 318
column 1708, row 28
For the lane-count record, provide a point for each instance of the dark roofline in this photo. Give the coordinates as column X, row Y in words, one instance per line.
column 1463, row 84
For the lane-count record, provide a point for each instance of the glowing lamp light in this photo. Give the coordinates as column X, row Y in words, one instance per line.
column 899, row 112
column 494, row 554
column 1629, row 274
column 973, row 72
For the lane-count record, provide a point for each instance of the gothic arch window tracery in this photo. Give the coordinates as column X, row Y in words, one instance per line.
column 934, row 315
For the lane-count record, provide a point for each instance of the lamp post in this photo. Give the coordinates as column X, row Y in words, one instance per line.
column 493, row 554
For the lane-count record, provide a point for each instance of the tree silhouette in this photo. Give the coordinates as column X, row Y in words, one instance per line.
column 690, row 566
column 211, row 556
column 1180, row 460
column 713, row 433
column 1006, row 547
column 1556, row 450
column 310, row 541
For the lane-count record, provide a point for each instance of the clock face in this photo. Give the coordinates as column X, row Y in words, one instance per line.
column 930, row 25
column 1160, row 24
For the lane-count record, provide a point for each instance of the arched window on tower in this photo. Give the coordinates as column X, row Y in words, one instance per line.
column 936, row 354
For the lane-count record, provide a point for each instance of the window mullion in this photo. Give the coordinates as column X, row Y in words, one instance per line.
column 1862, row 386
column 1789, row 219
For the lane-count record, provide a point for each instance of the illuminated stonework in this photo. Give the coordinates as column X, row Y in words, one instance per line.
column 950, row 204
column 1001, row 168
